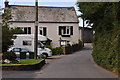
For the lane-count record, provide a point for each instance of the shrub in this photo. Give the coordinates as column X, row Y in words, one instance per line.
column 57, row 51
column 22, row 55
column 31, row 55
column 68, row 49
column 106, row 50
column 48, row 46
column 80, row 44
column 10, row 56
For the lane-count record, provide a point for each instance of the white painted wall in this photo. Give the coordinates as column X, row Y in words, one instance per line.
column 23, row 25
column 53, row 31
column 18, row 42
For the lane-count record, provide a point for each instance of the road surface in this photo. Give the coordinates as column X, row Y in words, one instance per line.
column 77, row 65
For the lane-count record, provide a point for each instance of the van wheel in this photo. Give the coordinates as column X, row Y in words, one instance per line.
column 45, row 56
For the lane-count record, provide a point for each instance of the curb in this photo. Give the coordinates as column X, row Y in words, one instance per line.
column 24, row 67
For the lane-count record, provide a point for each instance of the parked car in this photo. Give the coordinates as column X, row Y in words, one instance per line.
column 26, row 43
column 42, row 52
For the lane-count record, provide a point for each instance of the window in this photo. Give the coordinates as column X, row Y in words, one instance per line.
column 27, row 30
column 40, row 45
column 42, row 31
column 65, row 31
column 16, row 50
column 24, row 50
column 27, row 43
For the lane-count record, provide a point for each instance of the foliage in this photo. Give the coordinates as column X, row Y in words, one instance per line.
column 73, row 48
column 48, row 46
column 106, row 24
column 103, row 15
column 106, row 51
column 56, row 50
column 9, row 55
column 6, row 32
column 30, row 61
column 17, row 30
column 68, row 49
column 0, row 37
column 25, row 61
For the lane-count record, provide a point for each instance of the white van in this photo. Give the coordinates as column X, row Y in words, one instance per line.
column 26, row 41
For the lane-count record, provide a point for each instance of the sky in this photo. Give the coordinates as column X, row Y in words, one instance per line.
column 57, row 3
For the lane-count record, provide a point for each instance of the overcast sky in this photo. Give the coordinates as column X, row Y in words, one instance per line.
column 65, row 3
column 59, row 3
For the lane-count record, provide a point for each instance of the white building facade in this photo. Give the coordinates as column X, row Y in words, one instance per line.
column 59, row 24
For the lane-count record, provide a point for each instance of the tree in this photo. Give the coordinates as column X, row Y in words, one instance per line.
column 106, row 24
column 17, row 30
column 103, row 15
column 0, row 30
column 6, row 32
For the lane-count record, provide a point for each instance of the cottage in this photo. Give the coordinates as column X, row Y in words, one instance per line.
column 59, row 24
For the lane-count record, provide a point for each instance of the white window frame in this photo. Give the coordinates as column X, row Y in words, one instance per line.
column 23, row 28
column 41, row 29
column 66, row 32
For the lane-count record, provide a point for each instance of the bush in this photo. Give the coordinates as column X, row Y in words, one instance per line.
column 73, row 48
column 80, row 44
column 68, row 49
column 106, row 50
column 9, row 56
column 57, row 51
column 48, row 46
column 31, row 55
column 22, row 55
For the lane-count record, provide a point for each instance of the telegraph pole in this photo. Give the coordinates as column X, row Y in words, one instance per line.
column 36, row 30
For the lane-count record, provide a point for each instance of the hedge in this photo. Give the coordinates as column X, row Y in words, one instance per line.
column 106, row 50
column 72, row 48
column 68, row 49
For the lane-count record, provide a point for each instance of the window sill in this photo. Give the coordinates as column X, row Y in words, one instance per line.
column 65, row 35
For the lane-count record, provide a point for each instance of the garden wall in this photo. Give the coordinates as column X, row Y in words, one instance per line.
column 72, row 48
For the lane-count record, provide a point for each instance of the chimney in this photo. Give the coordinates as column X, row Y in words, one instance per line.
column 6, row 3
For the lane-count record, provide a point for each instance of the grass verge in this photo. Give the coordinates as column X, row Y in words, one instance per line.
column 26, row 61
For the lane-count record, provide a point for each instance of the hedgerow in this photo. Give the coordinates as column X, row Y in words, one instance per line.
column 106, row 50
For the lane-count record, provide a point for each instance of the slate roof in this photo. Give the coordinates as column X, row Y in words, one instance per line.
column 45, row 14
